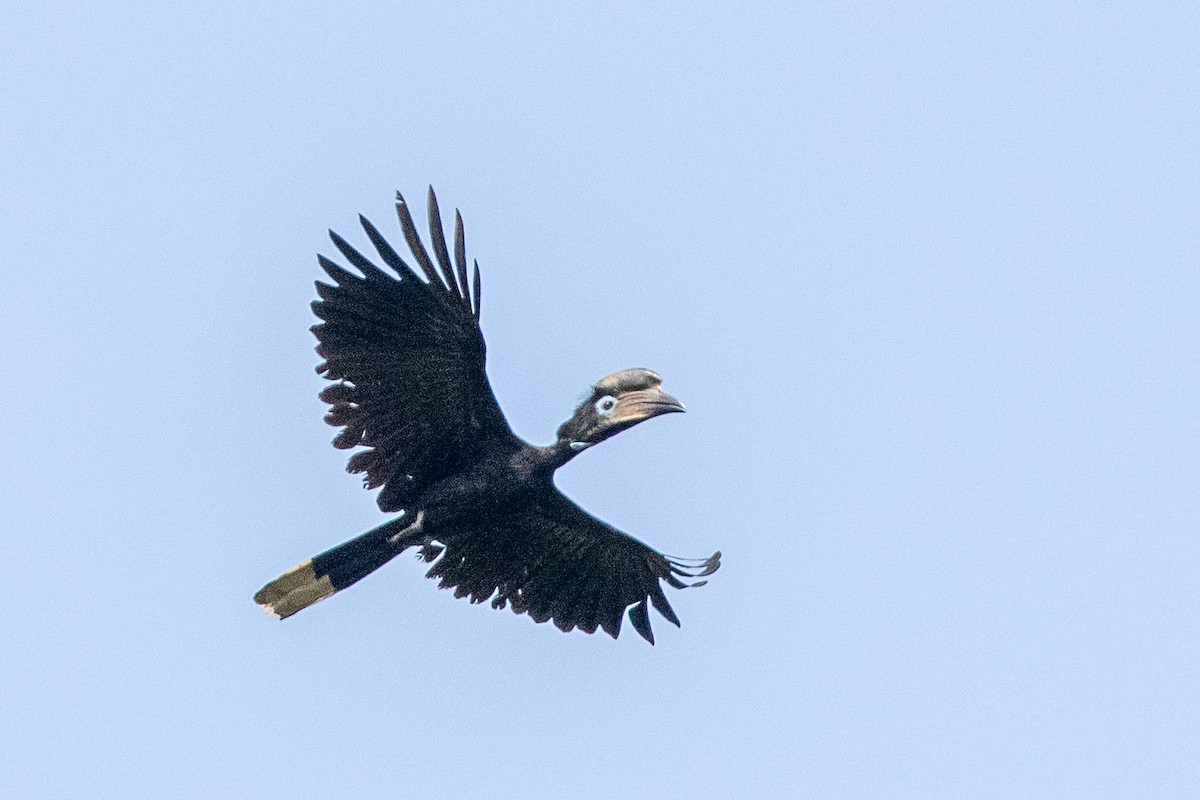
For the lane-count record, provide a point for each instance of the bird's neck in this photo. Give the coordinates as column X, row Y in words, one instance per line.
column 560, row 453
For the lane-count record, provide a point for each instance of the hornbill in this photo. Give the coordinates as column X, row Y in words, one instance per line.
column 406, row 357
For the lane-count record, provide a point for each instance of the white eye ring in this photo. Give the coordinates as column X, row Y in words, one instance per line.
column 606, row 405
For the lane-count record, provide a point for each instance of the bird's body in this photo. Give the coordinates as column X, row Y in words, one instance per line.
column 408, row 357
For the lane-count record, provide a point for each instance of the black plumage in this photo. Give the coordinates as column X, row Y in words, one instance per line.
column 406, row 357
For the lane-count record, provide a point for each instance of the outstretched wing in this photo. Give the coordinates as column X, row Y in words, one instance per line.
column 552, row 560
column 407, row 356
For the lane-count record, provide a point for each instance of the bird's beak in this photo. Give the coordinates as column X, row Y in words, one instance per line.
column 634, row 407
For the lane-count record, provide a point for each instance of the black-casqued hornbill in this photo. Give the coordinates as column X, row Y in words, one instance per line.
column 407, row 359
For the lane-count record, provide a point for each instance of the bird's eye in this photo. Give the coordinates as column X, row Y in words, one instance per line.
column 605, row 405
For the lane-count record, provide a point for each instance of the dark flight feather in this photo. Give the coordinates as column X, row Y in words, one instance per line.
column 385, row 250
column 438, row 237
column 476, row 286
column 460, row 256
column 414, row 242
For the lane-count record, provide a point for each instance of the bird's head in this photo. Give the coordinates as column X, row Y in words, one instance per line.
column 617, row 402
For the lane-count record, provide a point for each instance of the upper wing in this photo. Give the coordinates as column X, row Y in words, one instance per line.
column 553, row 560
column 408, row 358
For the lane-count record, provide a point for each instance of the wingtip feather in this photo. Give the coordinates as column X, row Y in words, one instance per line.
column 641, row 621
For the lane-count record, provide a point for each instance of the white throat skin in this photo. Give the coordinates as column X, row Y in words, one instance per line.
column 577, row 446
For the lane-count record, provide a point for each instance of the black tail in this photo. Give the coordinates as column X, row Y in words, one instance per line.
column 331, row 571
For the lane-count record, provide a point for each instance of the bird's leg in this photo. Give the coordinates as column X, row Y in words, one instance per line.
column 410, row 534
column 414, row 534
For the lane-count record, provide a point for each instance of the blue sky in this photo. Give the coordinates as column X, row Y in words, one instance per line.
column 926, row 277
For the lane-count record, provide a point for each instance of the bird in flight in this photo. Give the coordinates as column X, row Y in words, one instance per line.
column 405, row 355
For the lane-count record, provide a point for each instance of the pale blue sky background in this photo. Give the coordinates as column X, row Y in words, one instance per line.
column 925, row 275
